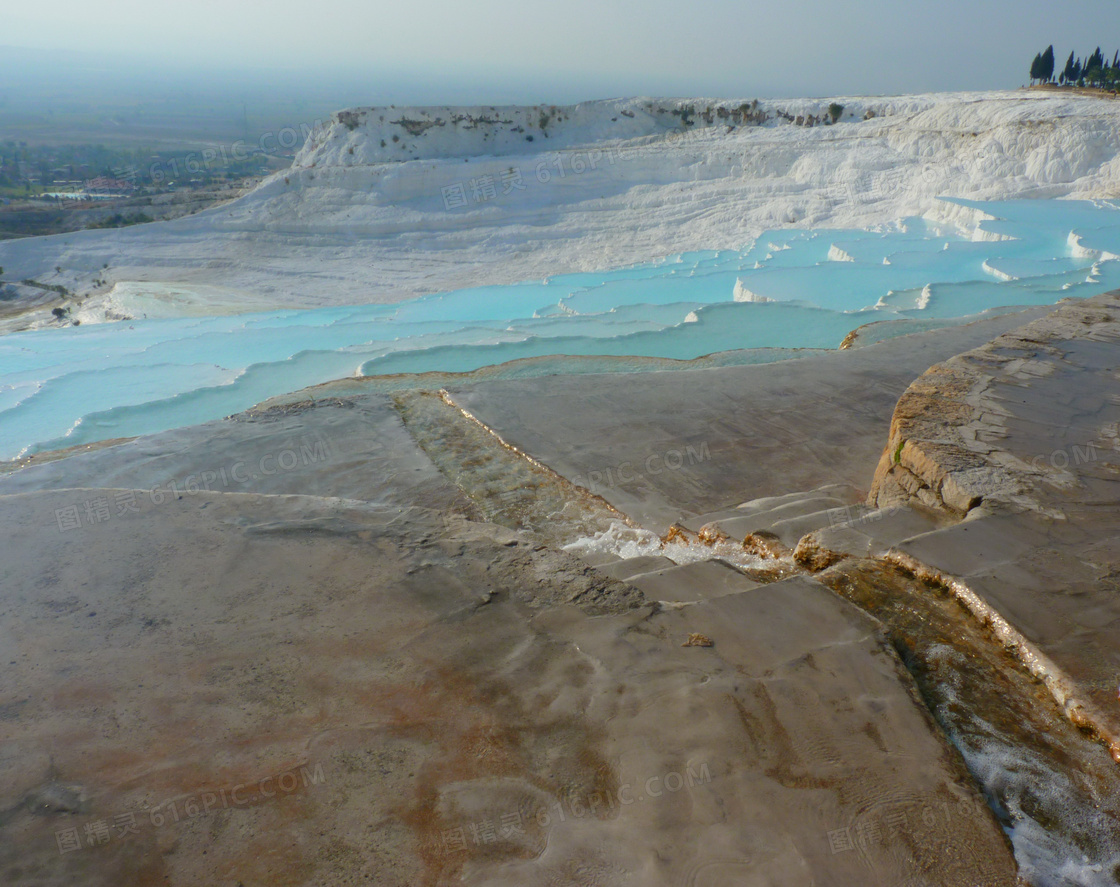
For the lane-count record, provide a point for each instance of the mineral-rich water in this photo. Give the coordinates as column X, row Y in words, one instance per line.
column 789, row 289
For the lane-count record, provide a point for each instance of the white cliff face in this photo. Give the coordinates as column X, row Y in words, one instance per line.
column 385, row 204
column 362, row 136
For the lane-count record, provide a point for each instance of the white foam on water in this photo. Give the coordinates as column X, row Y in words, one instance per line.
column 620, row 540
column 1024, row 781
column 627, row 542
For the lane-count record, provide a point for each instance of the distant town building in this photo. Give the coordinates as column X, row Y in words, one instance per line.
column 104, row 187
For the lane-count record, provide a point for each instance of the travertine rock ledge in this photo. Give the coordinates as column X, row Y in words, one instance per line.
column 945, row 448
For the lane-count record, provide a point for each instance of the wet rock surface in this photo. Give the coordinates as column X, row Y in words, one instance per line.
column 378, row 658
column 297, row 690
column 1056, row 792
column 1021, row 435
column 354, row 448
column 666, row 447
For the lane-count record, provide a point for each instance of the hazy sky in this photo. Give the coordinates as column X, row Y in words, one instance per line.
column 499, row 50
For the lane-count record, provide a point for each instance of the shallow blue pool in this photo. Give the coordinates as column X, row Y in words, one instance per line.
column 789, row 289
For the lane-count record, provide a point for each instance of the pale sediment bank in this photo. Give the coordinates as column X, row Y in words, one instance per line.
column 378, row 592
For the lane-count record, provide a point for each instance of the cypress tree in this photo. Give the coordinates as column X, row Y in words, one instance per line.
column 1046, row 71
column 1067, row 74
column 1094, row 68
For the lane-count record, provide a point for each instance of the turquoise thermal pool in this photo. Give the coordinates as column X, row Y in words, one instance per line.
column 790, row 289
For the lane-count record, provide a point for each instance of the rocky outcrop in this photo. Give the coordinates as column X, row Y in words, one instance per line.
column 927, row 459
column 946, row 449
column 358, row 136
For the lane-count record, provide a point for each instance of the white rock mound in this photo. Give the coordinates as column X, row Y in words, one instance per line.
column 384, row 204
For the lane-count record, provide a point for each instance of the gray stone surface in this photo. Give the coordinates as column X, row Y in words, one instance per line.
column 875, row 531
column 635, row 566
column 698, row 581
column 356, row 449
column 1025, row 432
column 1006, row 423
column 788, row 522
column 448, row 674
column 328, row 692
column 682, row 444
